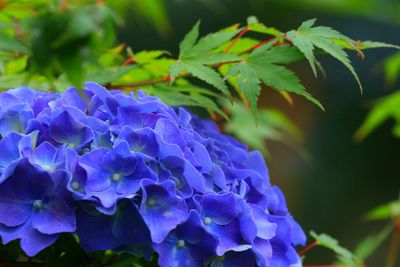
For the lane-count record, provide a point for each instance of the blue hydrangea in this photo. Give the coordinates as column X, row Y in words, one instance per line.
column 130, row 173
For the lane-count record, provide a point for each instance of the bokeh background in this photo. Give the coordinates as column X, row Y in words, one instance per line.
column 343, row 178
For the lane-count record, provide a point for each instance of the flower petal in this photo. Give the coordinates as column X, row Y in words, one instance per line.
column 55, row 217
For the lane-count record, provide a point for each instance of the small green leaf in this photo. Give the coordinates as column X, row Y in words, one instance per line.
column 107, row 75
column 342, row 253
column 272, row 125
column 284, row 54
column 392, row 68
column 374, row 44
column 185, row 94
column 72, row 65
column 206, row 74
column 147, row 56
column 11, row 44
column 190, row 39
column 248, row 83
column 385, row 108
column 212, row 41
column 337, row 52
column 372, row 242
column 281, row 78
column 306, row 38
column 385, row 211
column 15, row 66
column 216, row 58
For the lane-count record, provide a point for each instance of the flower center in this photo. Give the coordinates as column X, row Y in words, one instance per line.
column 75, row 185
column 207, row 220
column 116, row 177
column 38, row 204
column 180, row 243
column 151, row 202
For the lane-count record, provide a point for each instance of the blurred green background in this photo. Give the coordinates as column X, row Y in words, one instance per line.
column 343, row 178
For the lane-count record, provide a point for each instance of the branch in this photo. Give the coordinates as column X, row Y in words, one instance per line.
column 309, row 247
column 142, row 83
column 240, row 35
column 394, row 247
column 168, row 78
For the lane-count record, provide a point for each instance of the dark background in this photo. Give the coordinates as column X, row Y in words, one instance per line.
column 344, row 179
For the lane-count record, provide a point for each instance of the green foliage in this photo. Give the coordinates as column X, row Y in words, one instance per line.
column 372, row 242
column 386, row 211
column 56, row 46
column 392, row 68
column 195, row 56
column 272, row 125
column 307, row 38
column 344, row 255
column 385, row 108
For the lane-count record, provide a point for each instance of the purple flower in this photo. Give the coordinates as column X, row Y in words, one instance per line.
column 138, row 175
column 113, row 174
column 32, row 208
column 12, row 147
column 162, row 209
column 188, row 245
column 98, row 231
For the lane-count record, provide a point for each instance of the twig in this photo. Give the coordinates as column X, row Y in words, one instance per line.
column 240, row 35
column 309, row 247
column 142, row 83
column 394, row 246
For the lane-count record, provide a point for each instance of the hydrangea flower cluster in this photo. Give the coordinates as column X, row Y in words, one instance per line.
column 132, row 174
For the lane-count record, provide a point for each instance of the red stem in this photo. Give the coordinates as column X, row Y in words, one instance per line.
column 129, row 61
column 309, row 247
column 394, row 246
column 257, row 46
column 143, row 83
column 240, row 35
column 64, row 5
column 168, row 78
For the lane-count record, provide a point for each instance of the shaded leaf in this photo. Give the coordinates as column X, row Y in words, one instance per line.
column 385, row 211
column 384, row 109
column 11, row 44
column 107, row 75
column 189, row 40
column 342, row 253
column 372, row 242
column 306, row 38
column 248, row 83
column 272, row 125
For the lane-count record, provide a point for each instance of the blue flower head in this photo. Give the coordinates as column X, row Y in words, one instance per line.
column 130, row 173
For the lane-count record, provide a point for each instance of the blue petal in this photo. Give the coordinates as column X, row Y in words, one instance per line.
column 98, row 179
column 13, row 211
column 95, row 230
column 30, row 183
column 55, row 217
column 32, row 241
column 47, row 157
column 129, row 227
column 66, row 130
column 161, row 208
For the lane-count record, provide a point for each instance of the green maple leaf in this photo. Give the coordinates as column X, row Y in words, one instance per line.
column 196, row 56
column 263, row 66
column 307, row 38
column 186, row 94
column 343, row 254
column 248, row 83
column 384, row 109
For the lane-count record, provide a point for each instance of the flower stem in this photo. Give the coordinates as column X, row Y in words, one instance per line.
column 394, row 246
